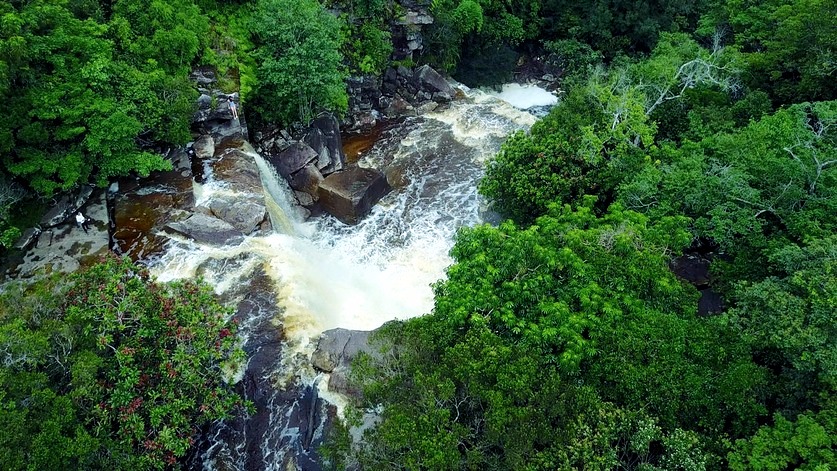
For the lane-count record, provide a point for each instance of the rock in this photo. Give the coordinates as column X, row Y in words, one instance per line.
column 66, row 207
column 338, row 347
column 243, row 214
column 427, row 107
column 416, row 18
column 204, row 147
column 293, row 158
column 324, row 138
column 431, row 81
column 307, row 180
column 349, row 195
column 205, row 229
column 237, row 168
column 304, row 198
column 204, row 102
column 227, row 130
column 28, row 237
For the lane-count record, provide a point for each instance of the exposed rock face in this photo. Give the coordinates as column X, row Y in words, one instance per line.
column 204, row 147
column 307, row 180
column 66, row 207
column 335, row 351
column 245, row 215
column 431, row 81
column 293, row 158
column 324, row 138
column 205, row 229
column 350, row 195
column 65, row 247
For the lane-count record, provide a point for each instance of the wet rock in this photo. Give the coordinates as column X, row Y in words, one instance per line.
column 338, row 347
column 205, row 229
column 307, row 180
column 237, row 168
column 66, row 207
column 204, row 102
column 141, row 209
column 293, row 158
column 204, row 147
column 349, row 195
column 243, row 214
column 427, row 107
column 304, row 198
column 431, row 81
column 324, row 138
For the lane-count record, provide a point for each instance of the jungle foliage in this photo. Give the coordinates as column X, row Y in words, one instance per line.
column 108, row 369
column 562, row 339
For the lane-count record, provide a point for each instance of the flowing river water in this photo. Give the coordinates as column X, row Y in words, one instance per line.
column 310, row 276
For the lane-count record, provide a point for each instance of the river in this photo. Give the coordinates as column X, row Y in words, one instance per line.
column 319, row 274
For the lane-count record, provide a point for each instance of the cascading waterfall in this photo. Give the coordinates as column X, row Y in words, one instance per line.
column 321, row 274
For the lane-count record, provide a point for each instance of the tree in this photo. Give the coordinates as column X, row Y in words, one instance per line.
column 789, row 46
column 300, row 71
column 748, row 189
column 108, row 369
column 89, row 97
column 559, row 345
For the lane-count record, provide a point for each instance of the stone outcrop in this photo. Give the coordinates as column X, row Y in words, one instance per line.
column 349, row 195
column 64, row 247
column 66, row 207
column 324, row 137
column 335, row 351
column 293, row 158
column 245, row 215
column 205, row 229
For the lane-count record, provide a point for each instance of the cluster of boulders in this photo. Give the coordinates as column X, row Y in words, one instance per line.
column 399, row 92
column 315, row 168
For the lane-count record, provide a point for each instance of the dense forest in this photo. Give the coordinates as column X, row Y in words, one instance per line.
column 562, row 338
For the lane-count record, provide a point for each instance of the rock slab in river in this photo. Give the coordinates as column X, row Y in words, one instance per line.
column 205, row 229
column 349, row 195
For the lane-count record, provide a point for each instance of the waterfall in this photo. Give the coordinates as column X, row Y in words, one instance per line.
column 310, row 276
column 285, row 215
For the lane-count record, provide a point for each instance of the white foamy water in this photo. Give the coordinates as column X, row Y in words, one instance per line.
column 524, row 96
column 331, row 275
column 322, row 274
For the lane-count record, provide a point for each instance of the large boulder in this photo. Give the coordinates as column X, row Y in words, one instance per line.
column 66, row 207
column 334, row 353
column 205, row 229
column 307, row 180
column 238, row 170
column 324, row 138
column 204, row 147
column 243, row 214
column 349, row 195
column 293, row 158
column 431, row 81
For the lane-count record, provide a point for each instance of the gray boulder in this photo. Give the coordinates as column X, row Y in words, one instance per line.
column 204, row 147
column 28, row 237
column 431, row 81
column 307, row 180
column 335, row 351
column 243, row 214
column 205, row 229
column 349, row 195
column 66, row 207
column 293, row 158
column 324, row 138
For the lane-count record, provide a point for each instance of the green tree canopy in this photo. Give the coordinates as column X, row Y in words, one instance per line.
column 107, row 369
column 300, row 66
